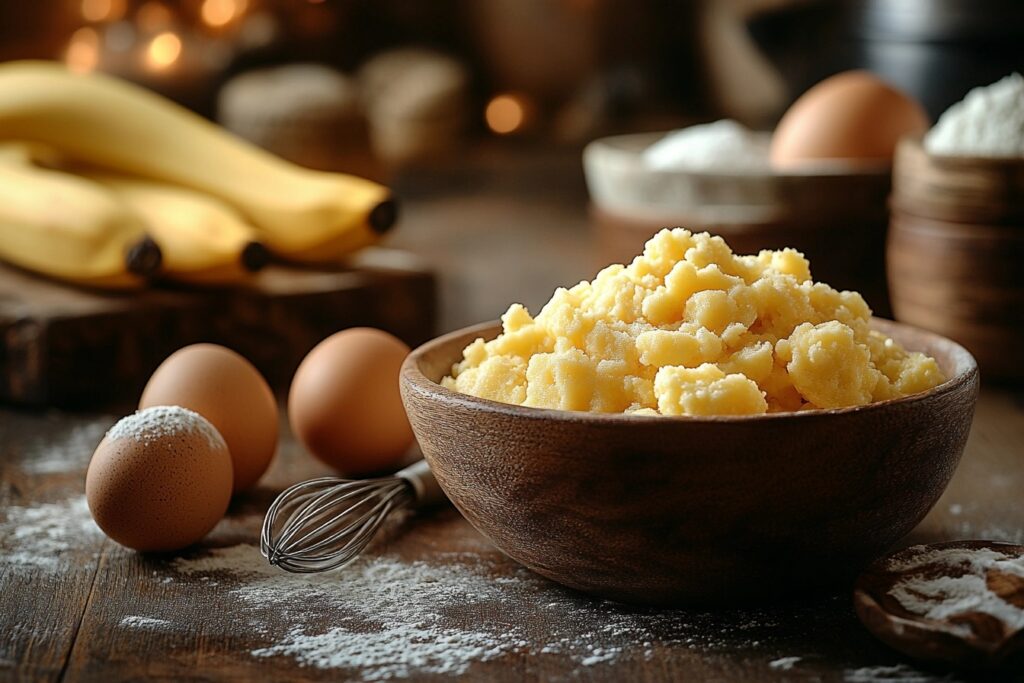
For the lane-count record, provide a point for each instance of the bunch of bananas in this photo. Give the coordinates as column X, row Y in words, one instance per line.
column 109, row 185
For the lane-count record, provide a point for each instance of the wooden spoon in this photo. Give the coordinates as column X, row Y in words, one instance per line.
column 960, row 603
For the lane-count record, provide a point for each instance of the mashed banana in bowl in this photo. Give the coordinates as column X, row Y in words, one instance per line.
column 689, row 328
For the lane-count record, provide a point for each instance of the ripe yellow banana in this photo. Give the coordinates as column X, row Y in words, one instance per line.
column 203, row 240
column 299, row 213
column 70, row 228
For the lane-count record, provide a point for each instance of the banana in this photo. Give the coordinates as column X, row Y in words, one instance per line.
column 203, row 240
column 299, row 214
column 70, row 228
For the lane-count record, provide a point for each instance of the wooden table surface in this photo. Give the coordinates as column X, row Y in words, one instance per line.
column 433, row 599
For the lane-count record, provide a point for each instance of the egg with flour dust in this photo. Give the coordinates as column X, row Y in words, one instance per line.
column 160, row 479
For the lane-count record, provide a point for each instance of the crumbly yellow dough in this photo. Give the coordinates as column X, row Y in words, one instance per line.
column 689, row 328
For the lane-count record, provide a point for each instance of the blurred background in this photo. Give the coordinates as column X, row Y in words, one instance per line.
column 477, row 114
column 554, row 70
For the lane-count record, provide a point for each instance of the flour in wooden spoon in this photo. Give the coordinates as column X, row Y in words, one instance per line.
column 961, row 588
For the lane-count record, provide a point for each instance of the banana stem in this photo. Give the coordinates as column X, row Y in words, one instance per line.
column 255, row 256
column 383, row 216
column 143, row 258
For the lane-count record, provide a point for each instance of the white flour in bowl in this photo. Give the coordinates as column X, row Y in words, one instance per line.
column 720, row 146
column 989, row 122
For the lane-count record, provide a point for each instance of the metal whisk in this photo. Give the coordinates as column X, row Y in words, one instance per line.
column 325, row 523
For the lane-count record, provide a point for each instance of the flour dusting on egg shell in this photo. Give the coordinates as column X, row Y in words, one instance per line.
column 165, row 421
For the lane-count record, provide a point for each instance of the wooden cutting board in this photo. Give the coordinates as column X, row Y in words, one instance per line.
column 70, row 347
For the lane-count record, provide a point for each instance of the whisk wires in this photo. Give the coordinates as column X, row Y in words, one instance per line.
column 324, row 523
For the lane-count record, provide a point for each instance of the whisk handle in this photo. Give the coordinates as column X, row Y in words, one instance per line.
column 428, row 491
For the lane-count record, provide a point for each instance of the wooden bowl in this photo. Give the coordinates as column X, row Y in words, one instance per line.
column 835, row 214
column 955, row 252
column 678, row 510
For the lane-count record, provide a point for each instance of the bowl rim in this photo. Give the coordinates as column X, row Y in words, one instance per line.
column 412, row 375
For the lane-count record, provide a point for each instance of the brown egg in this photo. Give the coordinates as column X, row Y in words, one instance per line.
column 227, row 390
column 853, row 116
column 159, row 480
column 344, row 403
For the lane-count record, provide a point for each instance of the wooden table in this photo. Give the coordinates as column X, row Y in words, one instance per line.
column 433, row 599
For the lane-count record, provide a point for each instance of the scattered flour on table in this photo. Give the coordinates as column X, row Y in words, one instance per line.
column 39, row 535
column 601, row 654
column 961, row 586
column 144, row 623
column 1005, row 533
column 389, row 618
column 784, row 663
column 395, row 623
column 899, row 673
column 69, row 454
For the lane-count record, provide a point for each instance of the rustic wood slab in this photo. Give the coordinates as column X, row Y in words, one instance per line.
column 65, row 346
column 432, row 601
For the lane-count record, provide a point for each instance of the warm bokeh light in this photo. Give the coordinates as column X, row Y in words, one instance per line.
column 119, row 37
column 153, row 16
column 505, row 114
column 83, row 51
column 163, row 50
column 218, row 13
column 102, row 10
